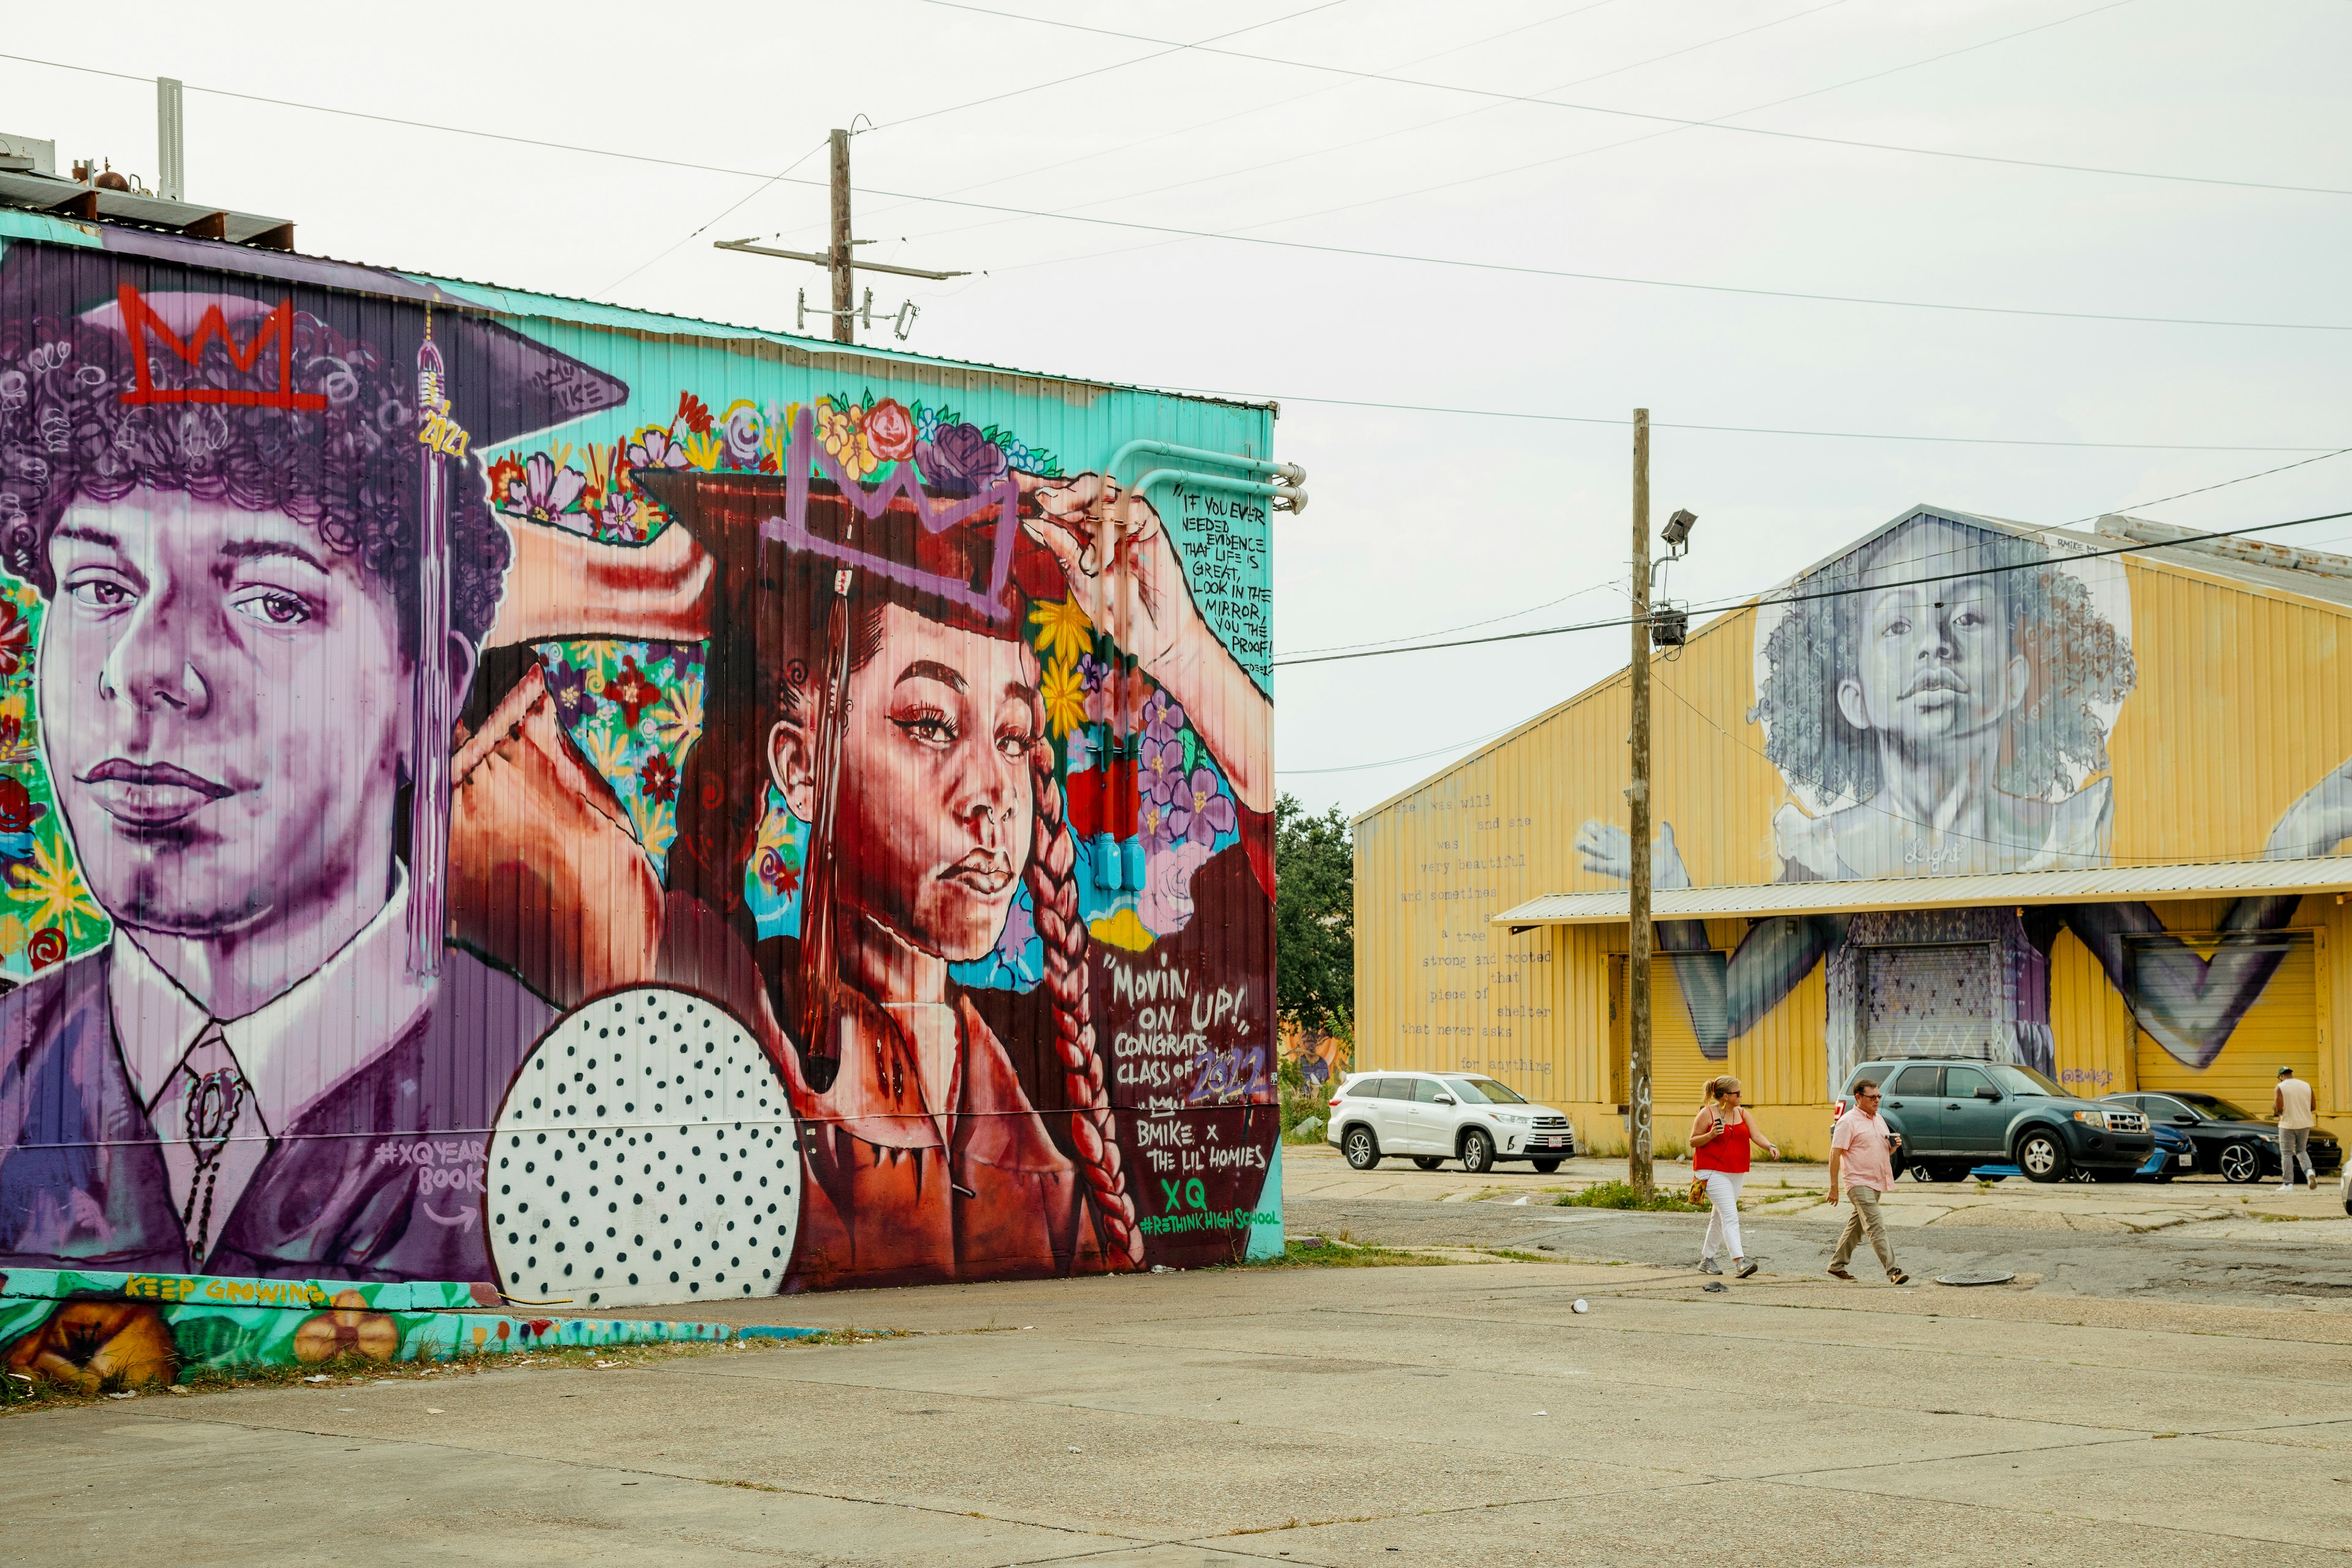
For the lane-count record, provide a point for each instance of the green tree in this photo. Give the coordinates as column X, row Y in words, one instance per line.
column 1313, row 919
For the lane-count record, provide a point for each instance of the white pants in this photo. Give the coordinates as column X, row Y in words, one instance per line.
column 1723, row 1225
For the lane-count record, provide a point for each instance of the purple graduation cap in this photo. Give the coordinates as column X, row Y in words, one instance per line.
column 353, row 401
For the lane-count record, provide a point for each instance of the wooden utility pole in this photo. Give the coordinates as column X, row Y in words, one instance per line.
column 1637, row 795
column 845, row 330
column 839, row 257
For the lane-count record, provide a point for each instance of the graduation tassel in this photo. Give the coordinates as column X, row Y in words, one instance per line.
column 429, row 810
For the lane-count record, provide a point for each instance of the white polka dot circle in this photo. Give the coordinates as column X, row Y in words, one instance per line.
column 645, row 1155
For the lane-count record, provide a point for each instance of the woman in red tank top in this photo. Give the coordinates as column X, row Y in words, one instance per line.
column 1720, row 1136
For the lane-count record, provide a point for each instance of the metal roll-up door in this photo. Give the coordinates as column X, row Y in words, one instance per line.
column 2184, row 987
column 1938, row 999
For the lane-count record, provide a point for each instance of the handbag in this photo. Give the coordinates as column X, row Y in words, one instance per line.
column 1697, row 1198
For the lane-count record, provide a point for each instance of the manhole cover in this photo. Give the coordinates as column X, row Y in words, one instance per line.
column 1974, row 1279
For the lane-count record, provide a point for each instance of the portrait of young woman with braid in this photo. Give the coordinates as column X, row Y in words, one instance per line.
column 950, row 1131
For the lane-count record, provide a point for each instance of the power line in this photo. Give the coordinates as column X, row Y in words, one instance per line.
column 1535, row 101
column 1392, row 761
column 698, row 234
column 1466, row 625
column 1265, row 242
column 1763, row 429
column 1173, row 49
column 1772, row 597
column 1460, row 182
column 1422, row 126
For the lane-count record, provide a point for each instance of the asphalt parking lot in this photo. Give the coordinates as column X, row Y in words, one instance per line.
column 2097, row 1410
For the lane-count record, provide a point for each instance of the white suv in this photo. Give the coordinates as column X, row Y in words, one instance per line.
column 1434, row 1117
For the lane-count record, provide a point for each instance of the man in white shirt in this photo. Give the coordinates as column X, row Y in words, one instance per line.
column 2291, row 1103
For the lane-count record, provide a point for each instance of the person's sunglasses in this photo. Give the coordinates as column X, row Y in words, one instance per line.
column 1868, row 1094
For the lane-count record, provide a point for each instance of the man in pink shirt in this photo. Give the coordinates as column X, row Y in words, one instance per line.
column 1862, row 1161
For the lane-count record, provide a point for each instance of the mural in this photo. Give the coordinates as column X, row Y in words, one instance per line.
column 418, row 744
column 1937, row 702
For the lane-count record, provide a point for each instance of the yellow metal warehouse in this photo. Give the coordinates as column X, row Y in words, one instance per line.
column 1970, row 788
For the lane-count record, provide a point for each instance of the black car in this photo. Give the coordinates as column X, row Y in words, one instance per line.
column 1955, row 1115
column 2228, row 1137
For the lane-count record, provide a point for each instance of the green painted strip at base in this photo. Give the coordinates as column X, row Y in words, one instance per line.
column 74, row 1325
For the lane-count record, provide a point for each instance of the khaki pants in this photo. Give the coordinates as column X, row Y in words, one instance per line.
column 1865, row 1216
column 2295, row 1155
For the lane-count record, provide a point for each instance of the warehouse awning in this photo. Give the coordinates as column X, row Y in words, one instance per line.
column 2113, row 884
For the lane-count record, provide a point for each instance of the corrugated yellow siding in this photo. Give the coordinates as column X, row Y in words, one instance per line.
column 2093, row 1028
column 2242, row 702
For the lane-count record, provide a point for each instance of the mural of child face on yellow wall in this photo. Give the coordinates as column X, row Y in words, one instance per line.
column 1939, row 701
column 1944, row 706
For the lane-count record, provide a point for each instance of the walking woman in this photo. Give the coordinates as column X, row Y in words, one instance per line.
column 1720, row 1137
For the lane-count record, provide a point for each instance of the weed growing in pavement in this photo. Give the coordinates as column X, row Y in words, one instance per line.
column 1620, row 1195
column 1340, row 1255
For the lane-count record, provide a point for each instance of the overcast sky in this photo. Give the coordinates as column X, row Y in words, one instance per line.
column 1419, row 522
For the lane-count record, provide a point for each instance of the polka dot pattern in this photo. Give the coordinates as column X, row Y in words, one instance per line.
column 647, row 1155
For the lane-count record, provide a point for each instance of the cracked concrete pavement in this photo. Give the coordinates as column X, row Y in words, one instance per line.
column 2116, row 1405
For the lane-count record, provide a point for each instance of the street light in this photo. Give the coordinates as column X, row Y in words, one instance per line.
column 1676, row 532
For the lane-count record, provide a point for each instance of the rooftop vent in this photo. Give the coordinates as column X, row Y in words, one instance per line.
column 29, row 182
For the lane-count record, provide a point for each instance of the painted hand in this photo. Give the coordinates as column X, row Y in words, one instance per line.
column 2315, row 824
column 1607, row 850
column 1147, row 610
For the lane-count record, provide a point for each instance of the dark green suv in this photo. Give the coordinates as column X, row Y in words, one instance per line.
column 1955, row 1115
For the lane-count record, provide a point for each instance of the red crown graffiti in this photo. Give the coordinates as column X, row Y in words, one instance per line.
column 141, row 325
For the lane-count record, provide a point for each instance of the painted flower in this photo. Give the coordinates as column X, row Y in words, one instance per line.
column 18, row 809
column 350, row 1329
column 569, row 686
column 542, row 490
column 680, row 719
column 620, row 514
column 15, row 637
column 1162, row 719
column 659, row 779
column 1200, row 810
column 1063, row 632
column 842, row 432
column 631, row 692
column 1166, row 904
column 1020, row 929
column 961, row 461
column 1161, row 775
column 1152, row 824
column 704, row 449
column 1065, row 699
column 1093, row 672
column 890, row 431
column 780, row 870
column 692, row 413
column 504, row 473
column 652, row 447
column 745, row 433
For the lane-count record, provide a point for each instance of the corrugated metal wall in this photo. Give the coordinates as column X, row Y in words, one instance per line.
column 2234, row 706
column 808, row 694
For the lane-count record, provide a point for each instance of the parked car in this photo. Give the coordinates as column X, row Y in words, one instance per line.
column 2175, row 1153
column 1434, row 1117
column 2228, row 1137
column 1955, row 1115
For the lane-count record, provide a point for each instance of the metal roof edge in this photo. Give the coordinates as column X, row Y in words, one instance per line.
column 2113, row 884
column 322, row 270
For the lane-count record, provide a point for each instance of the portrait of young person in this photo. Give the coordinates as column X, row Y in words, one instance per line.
column 216, row 486
column 872, row 675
